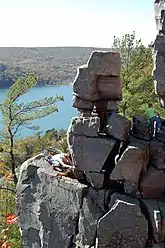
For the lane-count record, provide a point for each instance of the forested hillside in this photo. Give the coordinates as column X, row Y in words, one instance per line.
column 54, row 65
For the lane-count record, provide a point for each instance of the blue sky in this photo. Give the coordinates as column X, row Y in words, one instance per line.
column 74, row 22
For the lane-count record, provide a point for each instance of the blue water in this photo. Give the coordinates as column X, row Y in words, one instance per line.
column 57, row 120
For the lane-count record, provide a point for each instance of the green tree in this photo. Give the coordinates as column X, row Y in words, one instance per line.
column 17, row 114
column 136, row 73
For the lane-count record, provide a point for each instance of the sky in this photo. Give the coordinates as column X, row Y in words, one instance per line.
column 89, row 23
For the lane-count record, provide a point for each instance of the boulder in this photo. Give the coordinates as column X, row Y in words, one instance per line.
column 118, row 127
column 91, row 211
column 157, row 154
column 131, row 188
column 152, row 183
column 84, row 85
column 109, row 87
column 124, row 225
column 140, row 128
column 87, row 126
column 160, row 14
column 154, row 215
column 48, row 208
column 86, row 152
column 96, row 180
column 105, row 63
column 133, row 161
column 81, row 104
column 99, row 64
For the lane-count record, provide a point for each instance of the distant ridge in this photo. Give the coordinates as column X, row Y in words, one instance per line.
column 54, row 65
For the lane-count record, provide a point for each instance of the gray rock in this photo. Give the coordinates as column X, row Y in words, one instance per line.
column 86, row 152
column 118, row 127
column 140, row 128
column 152, row 208
column 123, row 226
column 159, row 14
column 99, row 64
column 131, row 189
column 158, row 245
column 87, row 126
column 112, row 105
column 48, row 208
column 81, row 104
column 90, row 213
column 157, row 154
column 159, row 51
column 105, row 63
column 148, row 188
column 134, row 160
column 109, row 87
column 95, row 179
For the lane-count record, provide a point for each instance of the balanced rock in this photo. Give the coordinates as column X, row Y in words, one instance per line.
column 102, row 71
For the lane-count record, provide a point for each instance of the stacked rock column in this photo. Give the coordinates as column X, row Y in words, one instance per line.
column 96, row 91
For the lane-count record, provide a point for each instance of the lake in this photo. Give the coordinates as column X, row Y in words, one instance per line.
column 57, row 120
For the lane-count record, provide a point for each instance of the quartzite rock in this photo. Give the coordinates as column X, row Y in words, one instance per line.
column 87, row 126
column 157, row 154
column 48, row 209
column 140, row 127
column 160, row 14
column 159, row 51
column 86, row 152
column 81, row 104
column 152, row 184
column 100, row 64
column 118, row 127
column 105, row 63
column 124, row 225
column 91, row 211
column 95, row 179
column 153, row 211
column 109, row 87
column 134, row 159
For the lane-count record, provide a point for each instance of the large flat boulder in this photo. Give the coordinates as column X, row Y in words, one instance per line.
column 48, row 208
column 134, row 160
column 118, row 127
column 124, row 225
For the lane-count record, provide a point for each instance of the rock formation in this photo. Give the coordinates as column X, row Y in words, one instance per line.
column 119, row 199
column 159, row 51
